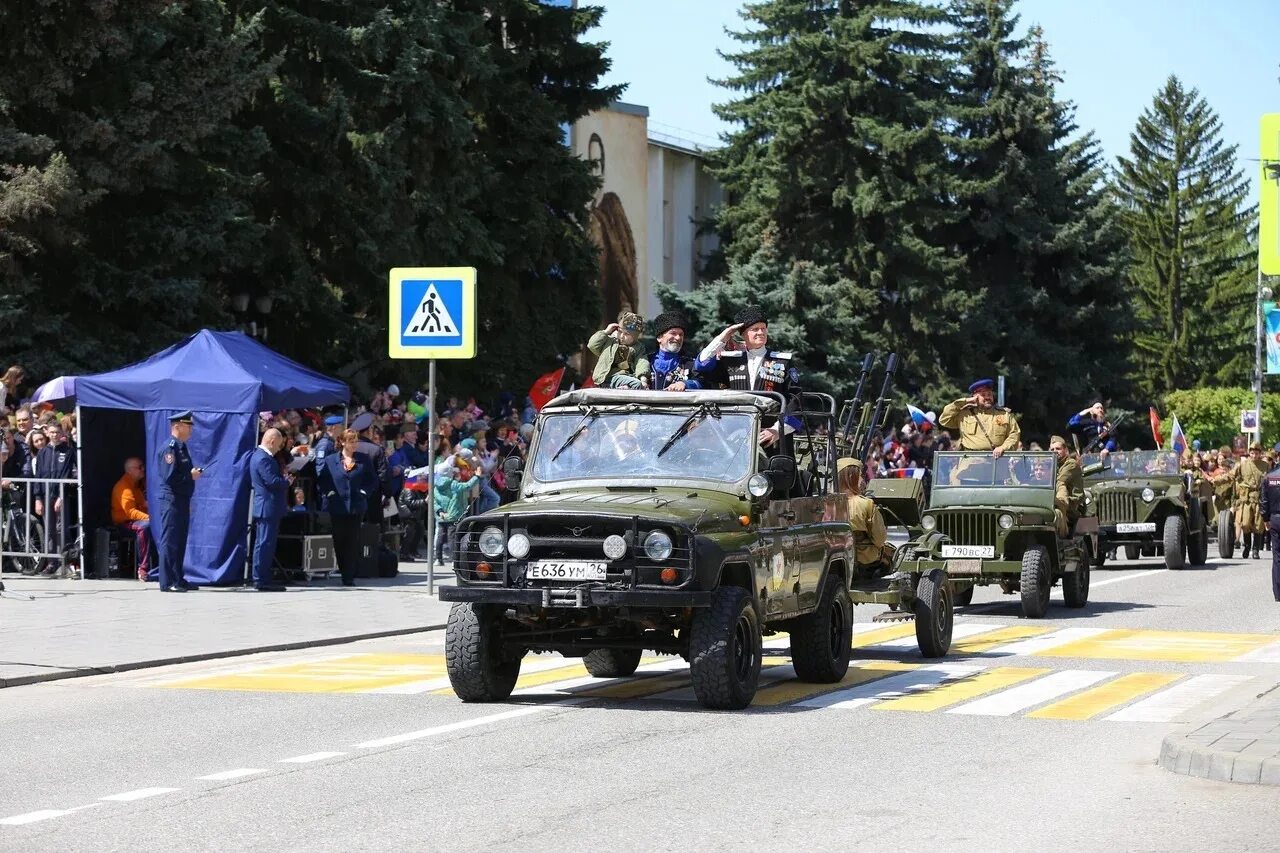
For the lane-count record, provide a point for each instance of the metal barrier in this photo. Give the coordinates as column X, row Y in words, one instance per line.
column 26, row 543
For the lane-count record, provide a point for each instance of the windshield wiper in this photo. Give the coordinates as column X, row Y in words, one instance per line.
column 582, row 426
column 701, row 414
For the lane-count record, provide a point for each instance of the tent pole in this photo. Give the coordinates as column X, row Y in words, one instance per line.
column 431, row 478
column 80, row 494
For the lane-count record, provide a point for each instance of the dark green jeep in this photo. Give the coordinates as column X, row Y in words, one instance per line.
column 651, row 520
column 991, row 522
column 1143, row 502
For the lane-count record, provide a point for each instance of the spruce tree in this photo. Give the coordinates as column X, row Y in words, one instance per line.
column 1185, row 212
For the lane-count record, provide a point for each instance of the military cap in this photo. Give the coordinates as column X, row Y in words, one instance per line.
column 982, row 383
column 186, row 417
column 1256, row 446
column 333, row 420
column 362, row 421
column 847, row 462
column 1058, row 439
column 632, row 322
column 668, row 320
column 749, row 316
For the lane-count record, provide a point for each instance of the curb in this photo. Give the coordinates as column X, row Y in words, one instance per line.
column 83, row 672
column 1179, row 754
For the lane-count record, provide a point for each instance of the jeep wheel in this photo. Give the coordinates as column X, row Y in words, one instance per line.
column 725, row 651
column 479, row 669
column 963, row 597
column 1226, row 534
column 934, row 616
column 611, row 663
column 1132, row 552
column 1075, row 585
column 1175, row 542
column 822, row 641
column 1198, row 546
column 1100, row 558
column 1035, row 581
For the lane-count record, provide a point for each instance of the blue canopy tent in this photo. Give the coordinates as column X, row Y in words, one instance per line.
column 226, row 378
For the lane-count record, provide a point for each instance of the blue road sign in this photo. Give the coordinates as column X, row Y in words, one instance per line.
column 432, row 312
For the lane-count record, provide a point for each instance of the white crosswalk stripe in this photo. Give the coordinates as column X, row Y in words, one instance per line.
column 1034, row 645
column 1009, row 702
column 914, row 681
column 1172, row 703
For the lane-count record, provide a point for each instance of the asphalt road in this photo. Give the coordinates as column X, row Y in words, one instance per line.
column 1035, row 735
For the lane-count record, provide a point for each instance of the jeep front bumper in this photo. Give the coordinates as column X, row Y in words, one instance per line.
column 964, row 568
column 574, row 597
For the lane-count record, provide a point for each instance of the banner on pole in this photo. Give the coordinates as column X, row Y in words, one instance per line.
column 1272, row 326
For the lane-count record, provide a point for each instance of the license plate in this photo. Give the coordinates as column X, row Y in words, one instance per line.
column 964, row 567
column 982, row 551
column 565, row 570
column 1141, row 527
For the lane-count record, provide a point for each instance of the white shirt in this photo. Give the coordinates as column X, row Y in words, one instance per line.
column 755, row 357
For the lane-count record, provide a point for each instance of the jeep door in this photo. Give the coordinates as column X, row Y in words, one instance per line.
column 781, row 569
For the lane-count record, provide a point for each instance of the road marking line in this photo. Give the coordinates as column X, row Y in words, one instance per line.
column 1036, row 645
column 637, row 688
column 999, row 637
column 226, row 775
column 1009, row 702
column 961, row 689
column 882, row 635
column 348, row 674
column 1270, row 653
column 459, row 726
column 140, row 794
column 1091, row 703
column 861, row 672
column 1168, row 705
column 1095, row 584
column 773, row 669
column 1178, row 646
column 310, row 757
column 923, row 678
column 43, row 814
column 958, row 631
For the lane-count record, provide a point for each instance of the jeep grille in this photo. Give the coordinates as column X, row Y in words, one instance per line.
column 1116, row 507
column 968, row 527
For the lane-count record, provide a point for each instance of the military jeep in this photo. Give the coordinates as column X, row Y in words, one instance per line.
column 1144, row 502
column 990, row 521
column 652, row 520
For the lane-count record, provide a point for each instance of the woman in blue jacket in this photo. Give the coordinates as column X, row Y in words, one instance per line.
column 345, row 480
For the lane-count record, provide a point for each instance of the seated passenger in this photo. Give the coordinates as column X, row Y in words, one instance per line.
column 129, row 513
column 870, row 538
column 1069, row 488
column 622, row 361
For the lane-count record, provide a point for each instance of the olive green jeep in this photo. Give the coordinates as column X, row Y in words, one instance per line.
column 990, row 521
column 1144, row 502
column 653, row 520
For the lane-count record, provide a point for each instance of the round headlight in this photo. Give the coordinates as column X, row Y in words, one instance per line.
column 759, row 486
column 615, row 546
column 657, row 545
column 491, row 542
column 1005, row 521
column 1148, row 495
column 518, row 546
column 928, row 522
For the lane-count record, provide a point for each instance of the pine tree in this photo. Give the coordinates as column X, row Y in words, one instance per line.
column 1185, row 213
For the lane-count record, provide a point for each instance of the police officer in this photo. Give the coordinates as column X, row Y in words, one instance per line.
column 751, row 365
column 1270, row 507
column 1248, row 479
column 673, row 370
column 982, row 424
column 177, row 483
column 363, row 424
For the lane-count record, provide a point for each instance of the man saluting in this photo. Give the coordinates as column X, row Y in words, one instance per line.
column 981, row 423
column 753, row 367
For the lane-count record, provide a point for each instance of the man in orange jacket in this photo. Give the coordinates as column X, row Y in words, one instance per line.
column 129, row 513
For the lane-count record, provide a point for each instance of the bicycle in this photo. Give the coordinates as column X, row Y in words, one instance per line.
column 22, row 534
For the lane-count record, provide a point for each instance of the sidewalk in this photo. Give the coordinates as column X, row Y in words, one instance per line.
column 1243, row 746
column 52, row 629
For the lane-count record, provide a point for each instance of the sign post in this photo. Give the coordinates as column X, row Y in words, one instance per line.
column 431, row 315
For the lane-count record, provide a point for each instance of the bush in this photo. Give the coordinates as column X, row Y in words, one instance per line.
column 1213, row 414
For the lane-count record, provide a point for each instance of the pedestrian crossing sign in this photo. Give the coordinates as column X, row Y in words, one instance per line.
column 432, row 312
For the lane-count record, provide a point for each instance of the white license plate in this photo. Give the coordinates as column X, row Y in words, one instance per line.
column 964, row 567
column 565, row 570
column 987, row 552
column 1141, row 527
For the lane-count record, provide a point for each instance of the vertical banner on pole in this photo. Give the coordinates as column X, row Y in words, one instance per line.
column 1269, row 196
column 1271, row 316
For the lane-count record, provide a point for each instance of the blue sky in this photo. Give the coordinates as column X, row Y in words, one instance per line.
column 1113, row 54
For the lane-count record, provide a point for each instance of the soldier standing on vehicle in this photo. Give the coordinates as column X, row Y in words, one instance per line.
column 1248, row 477
column 1270, row 508
column 1092, row 427
column 870, row 538
column 1069, row 489
column 982, row 424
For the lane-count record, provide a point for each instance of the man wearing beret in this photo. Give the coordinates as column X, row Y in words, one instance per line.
column 981, row 423
column 753, row 367
column 1248, row 479
column 672, row 369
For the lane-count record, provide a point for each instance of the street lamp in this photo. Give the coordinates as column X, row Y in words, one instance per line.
column 253, row 321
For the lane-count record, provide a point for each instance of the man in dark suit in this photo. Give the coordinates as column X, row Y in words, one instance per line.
column 270, row 503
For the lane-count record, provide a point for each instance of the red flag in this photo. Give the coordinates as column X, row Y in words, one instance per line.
column 545, row 388
column 589, row 382
column 1155, row 428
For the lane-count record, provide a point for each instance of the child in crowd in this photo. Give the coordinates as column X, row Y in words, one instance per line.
column 622, row 361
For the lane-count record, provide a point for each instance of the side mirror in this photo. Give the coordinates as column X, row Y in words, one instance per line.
column 782, row 471
column 513, row 469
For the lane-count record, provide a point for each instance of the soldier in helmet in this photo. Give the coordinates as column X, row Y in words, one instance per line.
column 981, row 423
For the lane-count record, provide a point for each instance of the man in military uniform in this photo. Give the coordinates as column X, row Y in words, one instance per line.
column 1269, row 506
column 751, row 366
column 870, row 537
column 177, row 483
column 1248, row 477
column 672, row 369
column 1069, row 488
column 981, row 423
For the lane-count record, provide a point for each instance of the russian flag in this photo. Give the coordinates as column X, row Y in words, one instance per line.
column 907, row 473
column 919, row 418
column 1176, row 437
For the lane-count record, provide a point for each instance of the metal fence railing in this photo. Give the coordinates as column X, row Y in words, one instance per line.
column 39, row 524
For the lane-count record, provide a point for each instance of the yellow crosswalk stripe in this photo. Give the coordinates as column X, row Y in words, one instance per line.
column 960, row 690
column 991, row 639
column 883, row 635
column 795, row 691
column 351, row 674
column 636, row 688
column 1179, row 646
column 1096, row 700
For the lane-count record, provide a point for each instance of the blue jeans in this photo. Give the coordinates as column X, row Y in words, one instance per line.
column 488, row 498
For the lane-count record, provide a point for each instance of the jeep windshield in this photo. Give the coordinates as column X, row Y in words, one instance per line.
column 627, row 445
column 1135, row 463
column 981, row 470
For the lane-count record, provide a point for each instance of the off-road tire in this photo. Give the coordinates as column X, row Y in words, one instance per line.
column 1035, row 581
column 1132, row 552
column 822, row 641
column 612, row 663
column 1100, row 558
column 725, row 650
column 479, row 670
column 1174, row 537
column 1226, row 534
column 1075, row 585
column 963, row 597
column 1198, row 546
column 935, row 616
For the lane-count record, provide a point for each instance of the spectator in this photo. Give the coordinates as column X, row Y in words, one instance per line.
column 270, row 488
column 506, row 408
column 36, row 441
column 383, row 401
column 348, row 481
column 454, row 489
column 417, row 406
column 485, row 461
column 56, row 501
column 23, row 421
column 920, row 451
column 530, row 412
column 18, row 454
column 130, row 513
column 10, row 384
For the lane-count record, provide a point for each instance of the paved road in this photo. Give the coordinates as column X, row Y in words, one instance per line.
column 1033, row 734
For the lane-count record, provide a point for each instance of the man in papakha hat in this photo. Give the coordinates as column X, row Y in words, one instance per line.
column 981, row 423
column 673, row 370
column 751, row 365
